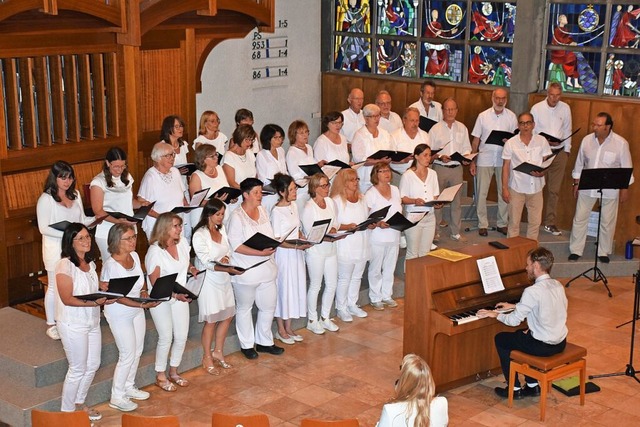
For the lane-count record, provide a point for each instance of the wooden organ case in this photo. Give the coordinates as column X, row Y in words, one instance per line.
column 437, row 291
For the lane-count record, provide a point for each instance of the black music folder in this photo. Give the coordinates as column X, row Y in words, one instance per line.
column 497, row 137
column 462, row 157
column 62, row 225
column 186, row 169
column 161, row 290
column 340, row 164
column 315, row 235
column 527, row 168
column 395, row 156
column 400, row 222
column 138, row 216
column 193, row 287
column 555, row 139
column 261, row 242
column 241, row 269
column 426, row 123
column 118, row 288
column 232, row 193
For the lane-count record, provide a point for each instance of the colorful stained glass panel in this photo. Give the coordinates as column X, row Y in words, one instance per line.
column 493, row 21
column 397, row 17
column 444, row 19
column 490, row 66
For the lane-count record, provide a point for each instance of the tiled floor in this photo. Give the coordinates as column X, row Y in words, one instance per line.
column 351, row 374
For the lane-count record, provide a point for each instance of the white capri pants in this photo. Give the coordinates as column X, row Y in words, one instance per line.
column 382, row 265
column 172, row 323
column 349, row 279
column 128, row 333
column 319, row 266
column 420, row 237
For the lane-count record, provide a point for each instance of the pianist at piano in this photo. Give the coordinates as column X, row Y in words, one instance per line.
column 544, row 306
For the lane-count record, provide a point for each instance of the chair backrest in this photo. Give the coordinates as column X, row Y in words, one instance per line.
column 231, row 420
column 130, row 420
column 308, row 422
column 59, row 419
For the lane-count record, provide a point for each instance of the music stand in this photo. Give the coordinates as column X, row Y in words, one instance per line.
column 601, row 179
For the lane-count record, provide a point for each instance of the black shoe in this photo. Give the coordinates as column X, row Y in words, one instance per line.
column 574, row 257
column 504, row 393
column 271, row 349
column 483, row 232
column 249, row 353
column 502, row 230
column 527, row 391
column 605, row 259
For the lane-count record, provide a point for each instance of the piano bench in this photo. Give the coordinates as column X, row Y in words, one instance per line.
column 548, row 369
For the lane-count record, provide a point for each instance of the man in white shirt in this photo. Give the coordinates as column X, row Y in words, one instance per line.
column 520, row 189
column 553, row 117
column 544, row 305
column 426, row 105
column 389, row 120
column 450, row 136
column 601, row 149
column 408, row 137
column 368, row 140
column 489, row 159
column 353, row 118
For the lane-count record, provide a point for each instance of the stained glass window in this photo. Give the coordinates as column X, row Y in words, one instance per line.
column 396, row 57
column 397, row 17
column 493, row 21
column 489, row 65
column 444, row 19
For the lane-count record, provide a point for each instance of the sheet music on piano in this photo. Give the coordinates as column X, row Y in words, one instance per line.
column 490, row 275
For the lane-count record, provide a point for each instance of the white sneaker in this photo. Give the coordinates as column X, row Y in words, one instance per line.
column 458, row 238
column 434, row 247
column 390, row 302
column 377, row 306
column 137, row 394
column 124, row 405
column 329, row 325
column 52, row 332
column 357, row 311
column 403, row 241
column 315, row 327
column 344, row 315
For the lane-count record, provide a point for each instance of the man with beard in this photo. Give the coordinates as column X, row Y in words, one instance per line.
column 544, row 306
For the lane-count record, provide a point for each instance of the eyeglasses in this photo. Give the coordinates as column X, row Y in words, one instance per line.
column 527, row 123
column 337, row 122
column 117, row 167
column 323, row 186
column 373, row 116
column 82, row 238
column 303, row 132
column 277, row 137
column 178, row 126
column 169, row 155
column 130, row 238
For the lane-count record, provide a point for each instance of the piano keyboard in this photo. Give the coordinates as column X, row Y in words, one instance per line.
column 472, row 315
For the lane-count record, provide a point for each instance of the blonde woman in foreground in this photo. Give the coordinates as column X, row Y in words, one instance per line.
column 414, row 404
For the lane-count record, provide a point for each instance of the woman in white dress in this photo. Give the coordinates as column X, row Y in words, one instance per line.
column 418, row 185
column 60, row 201
column 216, row 303
column 161, row 184
column 111, row 191
column 209, row 132
column 78, row 320
column 125, row 317
column 169, row 253
column 353, row 250
column 300, row 153
column 257, row 285
column 208, row 174
column 271, row 160
column 292, row 276
column 415, row 403
column 322, row 259
column 239, row 162
column 331, row 144
column 384, row 241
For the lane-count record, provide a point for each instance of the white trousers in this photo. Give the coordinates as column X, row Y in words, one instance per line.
column 319, row 266
column 264, row 296
column 382, row 265
column 103, row 246
column 483, row 180
column 50, row 299
column 172, row 323
column 420, row 237
column 609, row 217
column 82, row 344
column 349, row 279
column 128, row 333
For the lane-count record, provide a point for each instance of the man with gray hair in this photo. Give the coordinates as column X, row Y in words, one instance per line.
column 389, row 120
column 368, row 140
column 353, row 118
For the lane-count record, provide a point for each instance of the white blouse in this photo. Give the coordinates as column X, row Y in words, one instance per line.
column 112, row 269
column 167, row 190
column 297, row 157
column 220, row 142
column 118, row 198
column 268, row 166
column 83, row 283
column 413, row 187
column 158, row 257
column 207, row 251
column 376, row 201
column 313, row 213
column 325, row 149
column 355, row 247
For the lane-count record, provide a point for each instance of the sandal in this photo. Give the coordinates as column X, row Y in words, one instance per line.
column 179, row 380
column 221, row 362
column 166, row 385
column 211, row 370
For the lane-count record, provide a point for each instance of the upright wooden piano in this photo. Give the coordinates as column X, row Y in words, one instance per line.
column 441, row 298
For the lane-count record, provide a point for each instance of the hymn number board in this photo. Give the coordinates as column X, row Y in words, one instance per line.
column 270, row 53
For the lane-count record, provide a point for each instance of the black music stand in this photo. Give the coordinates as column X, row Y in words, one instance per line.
column 601, row 179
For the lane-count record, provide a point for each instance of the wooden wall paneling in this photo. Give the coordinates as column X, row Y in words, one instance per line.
column 99, row 95
column 336, row 89
column 189, row 64
column 4, row 252
column 161, row 86
column 28, row 110
column 3, row 127
column 71, row 100
column 57, row 99
column 86, row 101
column 23, row 189
column 109, row 11
column 112, row 89
column 41, row 80
column 12, row 102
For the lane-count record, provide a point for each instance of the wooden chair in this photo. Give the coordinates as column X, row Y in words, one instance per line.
column 130, row 420
column 308, row 422
column 231, row 420
column 548, row 369
column 59, row 419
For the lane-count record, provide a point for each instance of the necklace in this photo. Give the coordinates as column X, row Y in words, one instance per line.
column 167, row 178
